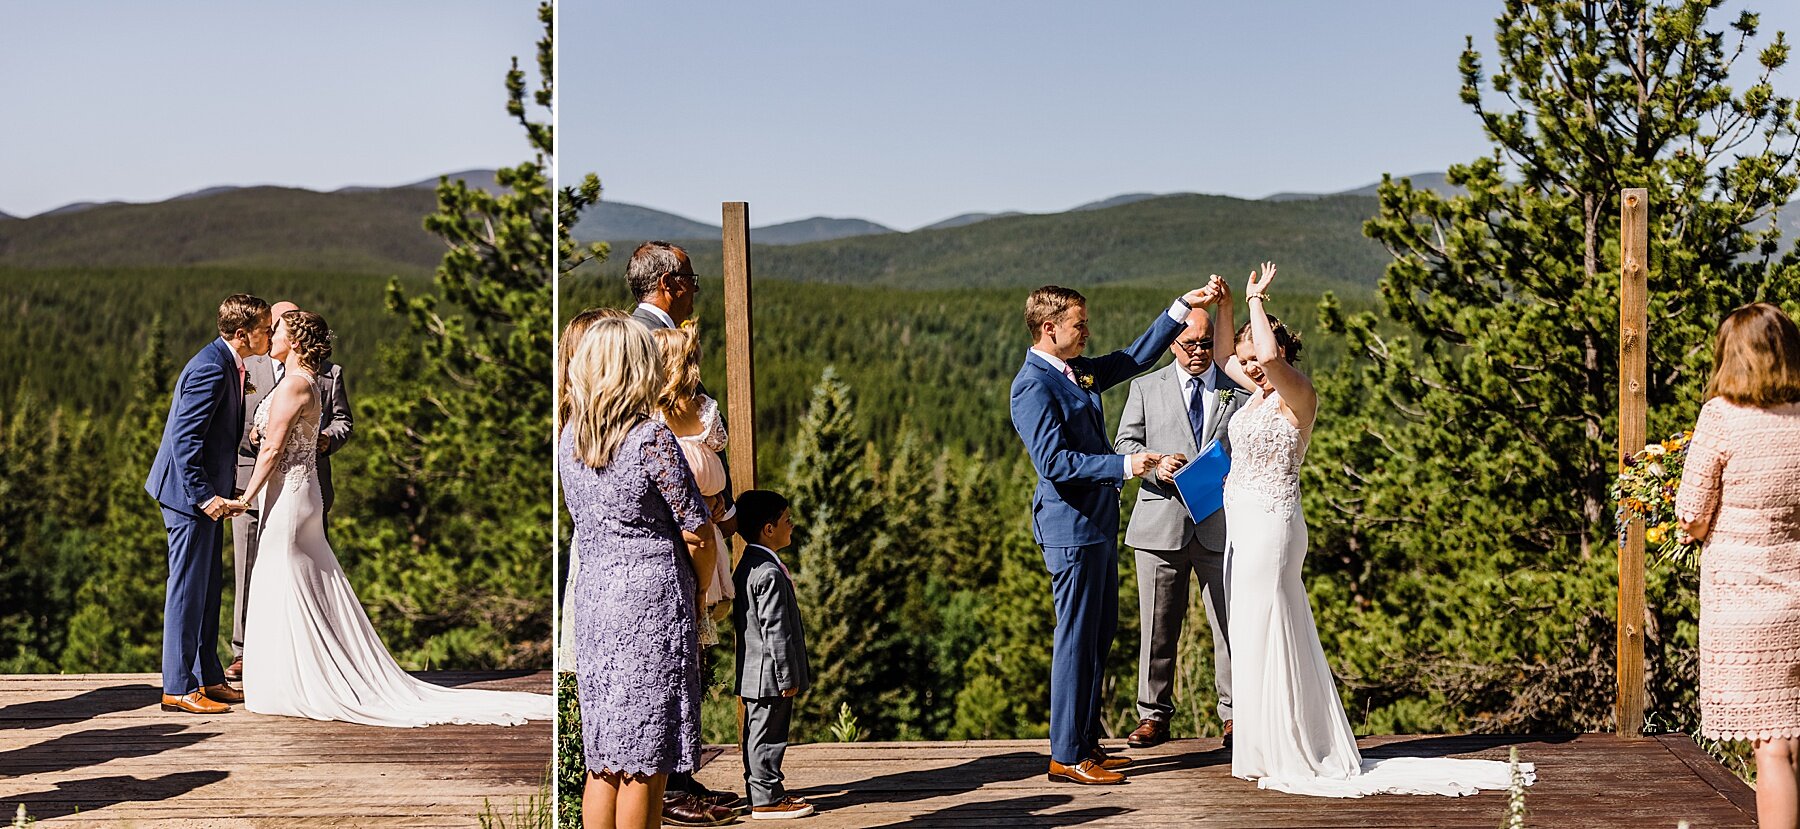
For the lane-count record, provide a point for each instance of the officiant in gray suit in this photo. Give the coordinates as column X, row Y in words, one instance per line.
column 1177, row 411
column 335, row 424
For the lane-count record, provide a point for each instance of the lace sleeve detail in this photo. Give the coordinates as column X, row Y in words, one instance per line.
column 714, row 437
column 669, row 470
column 1698, row 495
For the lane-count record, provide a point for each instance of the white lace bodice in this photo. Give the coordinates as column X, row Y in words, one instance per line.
column 1266, row 451
column 299, row 461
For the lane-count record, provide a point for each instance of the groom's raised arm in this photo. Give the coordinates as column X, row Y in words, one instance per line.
column 1040, row 425
column 337, row 432
column 196, row 398
column 1137, row 358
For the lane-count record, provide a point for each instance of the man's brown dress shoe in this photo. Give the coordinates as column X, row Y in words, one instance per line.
column 683, row 809
column 1087, row 773
column 1149, row 733
column 1228, row 734
column 222, row 693
column 193, row 703
column 1107, row 761
column 235, row 671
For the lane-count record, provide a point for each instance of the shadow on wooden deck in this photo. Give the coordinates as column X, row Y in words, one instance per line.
column 96, row 750
column 1590, row 780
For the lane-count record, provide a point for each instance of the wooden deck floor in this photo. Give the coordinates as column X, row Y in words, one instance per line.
column 1591, row 780
column 96, row 750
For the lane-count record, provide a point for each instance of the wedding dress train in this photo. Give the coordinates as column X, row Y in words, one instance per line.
column 309, row 649
column 1291, row 731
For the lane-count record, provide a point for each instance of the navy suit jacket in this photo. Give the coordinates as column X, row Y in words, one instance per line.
column 1064, row 429
column 197, row 458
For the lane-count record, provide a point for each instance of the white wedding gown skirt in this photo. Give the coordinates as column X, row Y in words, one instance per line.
column 1291, row 733
column 309, row 649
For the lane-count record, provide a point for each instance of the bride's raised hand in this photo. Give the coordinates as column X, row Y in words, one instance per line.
column 1260, row 285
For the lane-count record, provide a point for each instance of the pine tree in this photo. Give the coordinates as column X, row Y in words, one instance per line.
column 118, row 611
column 452, row 562
column 851, row 592
column 1492, row 385
column 47, row 512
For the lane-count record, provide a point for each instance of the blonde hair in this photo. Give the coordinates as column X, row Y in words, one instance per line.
column 680, row 349
column 565, row 348
column 1756, row 358
column 614, row 374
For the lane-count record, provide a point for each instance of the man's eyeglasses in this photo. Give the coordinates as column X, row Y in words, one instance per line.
column 1190, row 346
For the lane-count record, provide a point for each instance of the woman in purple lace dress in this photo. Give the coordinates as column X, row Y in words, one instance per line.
column 643, row 531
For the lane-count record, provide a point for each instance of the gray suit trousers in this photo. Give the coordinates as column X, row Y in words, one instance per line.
column 766, row 722
column 1162, row 607
column 244, row 530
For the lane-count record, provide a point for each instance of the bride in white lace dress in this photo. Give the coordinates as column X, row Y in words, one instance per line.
column 309, row 649
column 1291, row 731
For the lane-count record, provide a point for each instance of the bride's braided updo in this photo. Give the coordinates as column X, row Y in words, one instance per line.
column 309, row 337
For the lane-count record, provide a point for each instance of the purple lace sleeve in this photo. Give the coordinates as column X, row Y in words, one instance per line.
column 669, row 469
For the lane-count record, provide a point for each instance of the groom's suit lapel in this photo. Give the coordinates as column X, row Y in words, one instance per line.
column 1081, row 396
column 234, row 406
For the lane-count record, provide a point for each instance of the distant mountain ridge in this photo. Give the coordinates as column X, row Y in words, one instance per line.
column 622, row 221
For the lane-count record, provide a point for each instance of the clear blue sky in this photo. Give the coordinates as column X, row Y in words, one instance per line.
column 109, row 99
column 907, row 113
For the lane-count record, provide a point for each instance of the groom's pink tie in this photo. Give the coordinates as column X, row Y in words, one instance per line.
column 1070, row 373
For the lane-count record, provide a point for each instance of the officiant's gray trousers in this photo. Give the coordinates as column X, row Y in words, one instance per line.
column 244, row 530
column 1163, row 592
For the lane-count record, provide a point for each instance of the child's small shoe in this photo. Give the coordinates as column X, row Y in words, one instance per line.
column 786, row 808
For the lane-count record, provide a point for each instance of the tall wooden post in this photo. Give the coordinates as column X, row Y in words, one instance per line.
column 739, row 368
column 1634, row 216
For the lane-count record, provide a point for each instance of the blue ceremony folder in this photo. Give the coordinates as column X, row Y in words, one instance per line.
column 1201, row 483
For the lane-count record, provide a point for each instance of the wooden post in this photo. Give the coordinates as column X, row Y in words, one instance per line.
column 1634, row 214
column 739, row 369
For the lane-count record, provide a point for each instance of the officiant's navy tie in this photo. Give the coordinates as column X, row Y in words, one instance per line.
column 1197, row 411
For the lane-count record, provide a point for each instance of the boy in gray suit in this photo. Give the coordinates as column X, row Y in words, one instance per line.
column 771, row 651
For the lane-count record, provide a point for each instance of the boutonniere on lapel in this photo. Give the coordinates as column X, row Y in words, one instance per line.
column 1226, row 396
column 249, row 387
column 1084, row 379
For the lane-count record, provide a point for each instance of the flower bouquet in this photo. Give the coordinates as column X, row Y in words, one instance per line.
column 1645, row 489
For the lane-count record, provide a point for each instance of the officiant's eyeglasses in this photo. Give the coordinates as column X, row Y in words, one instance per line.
column 692, row 278
column 1191, row 346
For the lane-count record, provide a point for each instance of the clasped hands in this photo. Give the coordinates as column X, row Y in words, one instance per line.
column 221, row 508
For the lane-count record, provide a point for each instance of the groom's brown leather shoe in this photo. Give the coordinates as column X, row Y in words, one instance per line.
column 1087, row 773
column 1228, row 734
column 1149, row 733
column 193, row 703
column 222, row 693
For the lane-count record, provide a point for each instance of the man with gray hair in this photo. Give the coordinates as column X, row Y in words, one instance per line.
column 662, row 280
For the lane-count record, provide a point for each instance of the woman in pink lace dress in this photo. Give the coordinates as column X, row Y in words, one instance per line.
column 1740, row 494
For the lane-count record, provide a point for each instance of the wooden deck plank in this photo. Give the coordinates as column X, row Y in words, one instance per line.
column 1593, row 780
column 95, row 750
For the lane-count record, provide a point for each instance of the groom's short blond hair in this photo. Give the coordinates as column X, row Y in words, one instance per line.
column 1048, row 304
column 241, row 312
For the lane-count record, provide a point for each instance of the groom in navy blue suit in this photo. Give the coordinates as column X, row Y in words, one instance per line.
column 1075, row 509
column 193, row 479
